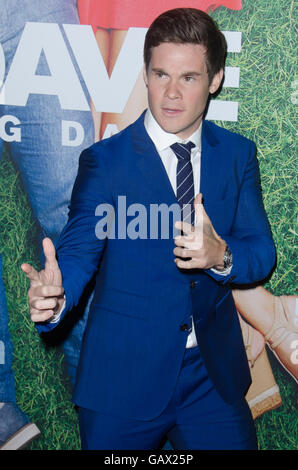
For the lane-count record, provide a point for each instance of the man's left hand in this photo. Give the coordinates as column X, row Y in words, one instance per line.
column 200, row 244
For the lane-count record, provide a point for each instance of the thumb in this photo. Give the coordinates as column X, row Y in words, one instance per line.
column 30, row 272
column 198, row 199
column 199, row 206
column 50, row 254
column 199, row 209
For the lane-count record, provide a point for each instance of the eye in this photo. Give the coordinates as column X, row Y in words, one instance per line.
column 160, row 74
column 189, row 78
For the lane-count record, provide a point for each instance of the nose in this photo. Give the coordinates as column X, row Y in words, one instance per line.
column 172, row 90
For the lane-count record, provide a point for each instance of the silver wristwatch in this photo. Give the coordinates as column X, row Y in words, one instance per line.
column 228, row 258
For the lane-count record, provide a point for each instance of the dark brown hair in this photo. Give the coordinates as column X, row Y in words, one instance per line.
column 188, row 25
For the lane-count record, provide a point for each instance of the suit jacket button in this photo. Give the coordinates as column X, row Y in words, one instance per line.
column 192, row 284
column 184, row 327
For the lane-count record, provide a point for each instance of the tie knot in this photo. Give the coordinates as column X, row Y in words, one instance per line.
column 182, row 151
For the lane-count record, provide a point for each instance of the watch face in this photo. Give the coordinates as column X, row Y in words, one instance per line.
column 228, row 258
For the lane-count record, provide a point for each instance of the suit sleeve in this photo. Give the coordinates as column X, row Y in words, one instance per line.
column 250, row 239
column 79, row 248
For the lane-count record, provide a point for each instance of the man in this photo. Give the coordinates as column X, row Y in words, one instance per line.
column 163, row 351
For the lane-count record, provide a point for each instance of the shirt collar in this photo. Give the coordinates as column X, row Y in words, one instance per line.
column 162, row 139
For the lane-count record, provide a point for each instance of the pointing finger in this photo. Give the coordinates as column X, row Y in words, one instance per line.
column 50, row 254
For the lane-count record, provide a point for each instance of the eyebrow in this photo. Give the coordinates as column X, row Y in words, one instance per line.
column 158, row 70
column 186, row 74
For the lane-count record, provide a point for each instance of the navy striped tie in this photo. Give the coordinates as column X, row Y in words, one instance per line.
column 185, row 183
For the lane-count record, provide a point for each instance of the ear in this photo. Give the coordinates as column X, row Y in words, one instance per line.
column 145, row 75
column 216, row 81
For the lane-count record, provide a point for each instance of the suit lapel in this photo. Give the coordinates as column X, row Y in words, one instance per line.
column 150, row 165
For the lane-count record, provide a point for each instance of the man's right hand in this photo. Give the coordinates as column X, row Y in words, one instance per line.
column 46, row 294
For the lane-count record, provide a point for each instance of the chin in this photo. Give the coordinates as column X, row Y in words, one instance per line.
column 170, row 130
column 170, row 127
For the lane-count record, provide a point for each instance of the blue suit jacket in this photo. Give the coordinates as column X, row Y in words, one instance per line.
column 133, row 346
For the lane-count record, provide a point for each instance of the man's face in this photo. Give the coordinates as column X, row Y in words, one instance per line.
column 178, row 87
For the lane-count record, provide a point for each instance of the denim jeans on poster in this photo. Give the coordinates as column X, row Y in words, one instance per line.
column 47, row 168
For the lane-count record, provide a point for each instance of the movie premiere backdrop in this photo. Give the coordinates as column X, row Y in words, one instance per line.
column 71, row 74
